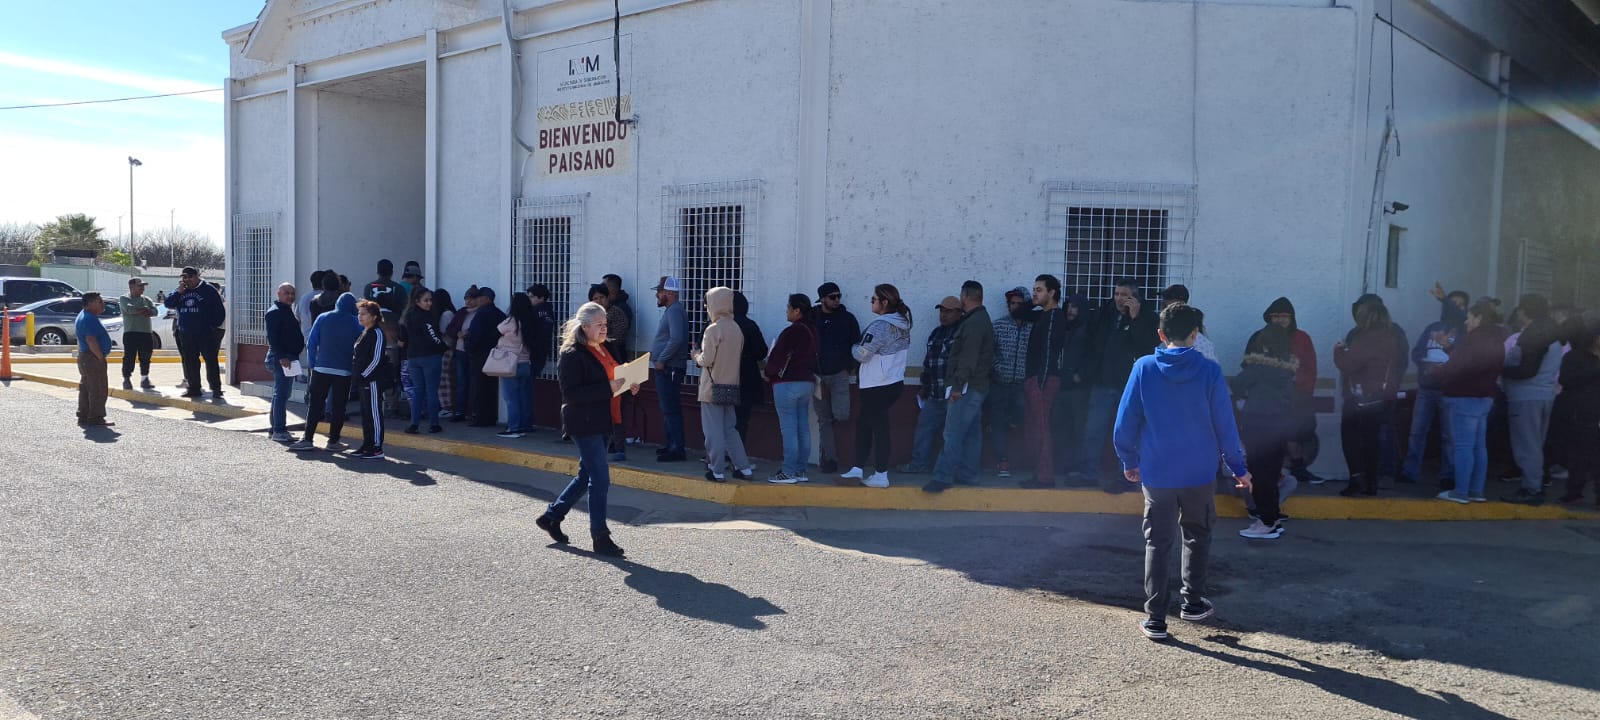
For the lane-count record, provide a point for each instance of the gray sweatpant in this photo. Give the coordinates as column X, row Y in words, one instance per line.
column 833, row 406
column 722, row 439
column 1167, row 512
column 1529, row 422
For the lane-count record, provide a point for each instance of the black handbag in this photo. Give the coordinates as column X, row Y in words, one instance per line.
column 724, row 394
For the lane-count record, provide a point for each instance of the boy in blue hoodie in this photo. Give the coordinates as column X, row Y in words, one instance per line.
column 1175, row 418
column 331, row 352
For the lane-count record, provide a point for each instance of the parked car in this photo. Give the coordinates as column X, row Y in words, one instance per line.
column 53, row 321
column 18, row 291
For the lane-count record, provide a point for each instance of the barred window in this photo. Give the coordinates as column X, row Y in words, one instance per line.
column 1102, row 231
column 250, row 264
column 711, row 231
column 548, row 233
column 1537, row 269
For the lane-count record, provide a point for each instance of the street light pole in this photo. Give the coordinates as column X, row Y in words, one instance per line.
column 132, row 163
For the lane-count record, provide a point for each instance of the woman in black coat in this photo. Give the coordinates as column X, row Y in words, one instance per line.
column 590, row 407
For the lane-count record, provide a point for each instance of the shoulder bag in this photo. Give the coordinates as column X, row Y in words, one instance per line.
column 501, row 363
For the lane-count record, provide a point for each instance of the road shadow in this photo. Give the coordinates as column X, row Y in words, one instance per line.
column 398, row 469
column 100, row 434
column 689, row 596
column 1458, row 598
column 1374, row 692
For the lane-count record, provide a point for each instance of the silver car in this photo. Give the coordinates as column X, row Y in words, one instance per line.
column 54, row 321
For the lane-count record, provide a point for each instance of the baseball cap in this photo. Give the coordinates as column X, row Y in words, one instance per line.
column 950, row 302
column 413, row 269
column 136, row 281
column 669, row 284
column 1020, row 292
column 1175, row 293
column 191, row 272
column 826, row 289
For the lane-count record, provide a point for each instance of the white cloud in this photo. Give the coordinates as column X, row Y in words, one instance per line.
column 149, row 83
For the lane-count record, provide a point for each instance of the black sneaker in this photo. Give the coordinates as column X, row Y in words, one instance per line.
column 127, row 383
column 553, row 527
column 411, row 429
column 1196, row 612
column 1154, row 629
column 146, row 384
column 1523, row 497
column 434, row 429
column 828, row 466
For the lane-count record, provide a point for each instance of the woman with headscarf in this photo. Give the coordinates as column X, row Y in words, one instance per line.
column 720, row 390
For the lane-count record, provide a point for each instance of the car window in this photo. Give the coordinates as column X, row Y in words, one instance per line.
column 22, row 292
column 67, row 307
column 113, row 309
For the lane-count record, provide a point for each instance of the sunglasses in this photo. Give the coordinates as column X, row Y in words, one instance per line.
column 834, row 296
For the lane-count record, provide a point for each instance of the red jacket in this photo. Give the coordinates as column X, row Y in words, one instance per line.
column 1474, row 365
column 1305, row 377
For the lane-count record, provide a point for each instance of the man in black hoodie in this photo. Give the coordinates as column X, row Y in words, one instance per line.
column 1121, row 331
column 837, row 330
column 482, row 337
column 752, row 385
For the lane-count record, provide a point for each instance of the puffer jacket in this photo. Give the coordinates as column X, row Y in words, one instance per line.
column 1267, row 385
column 882, row 351
column 721, row 345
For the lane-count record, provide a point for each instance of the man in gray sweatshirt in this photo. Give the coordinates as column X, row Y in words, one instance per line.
column 669, row 353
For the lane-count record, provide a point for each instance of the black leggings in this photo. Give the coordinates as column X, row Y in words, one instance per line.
column 371, row 415
column 317, row 395
column 872, row 427
column 1358, row 433
column 1265, row 442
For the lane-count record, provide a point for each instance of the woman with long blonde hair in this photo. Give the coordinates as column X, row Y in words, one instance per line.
column 590, row 407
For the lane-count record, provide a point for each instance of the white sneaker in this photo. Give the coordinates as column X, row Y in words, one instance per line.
column 781, row 478
column 1452, row 497
column 1258, row 531
column 854, row 473
column 801, row 479
column 877, row 480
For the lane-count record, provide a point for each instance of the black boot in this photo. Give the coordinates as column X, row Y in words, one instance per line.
column 552, row 526
column 604, row 546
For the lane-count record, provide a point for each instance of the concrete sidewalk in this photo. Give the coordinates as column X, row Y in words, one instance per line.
column 544, row 451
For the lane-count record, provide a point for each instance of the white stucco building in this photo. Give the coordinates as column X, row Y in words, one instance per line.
column 1233, row 145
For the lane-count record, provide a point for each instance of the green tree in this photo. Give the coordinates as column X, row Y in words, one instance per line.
column 76, row 232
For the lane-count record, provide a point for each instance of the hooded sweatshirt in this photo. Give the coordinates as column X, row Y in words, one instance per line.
column 332, row 345
column 1176, row 417
column 1075, row 352
column 1305, row 352
column 200, row 309
column 882, row 351
column 755, row 350
column 721, row 345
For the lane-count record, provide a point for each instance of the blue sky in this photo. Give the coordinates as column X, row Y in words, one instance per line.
column 74, row 159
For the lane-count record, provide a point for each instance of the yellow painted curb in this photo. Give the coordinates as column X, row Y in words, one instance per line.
column 47, row 360
column 906, row 497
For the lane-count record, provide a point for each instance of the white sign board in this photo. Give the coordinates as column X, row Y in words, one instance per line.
column 576, row 94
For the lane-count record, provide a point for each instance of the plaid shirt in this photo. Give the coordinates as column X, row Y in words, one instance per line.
column 1011, row 351
column 933, row 365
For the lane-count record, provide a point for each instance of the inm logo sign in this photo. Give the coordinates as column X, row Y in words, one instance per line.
column 583, row 65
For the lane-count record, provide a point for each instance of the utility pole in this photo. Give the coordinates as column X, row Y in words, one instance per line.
column 132, row 163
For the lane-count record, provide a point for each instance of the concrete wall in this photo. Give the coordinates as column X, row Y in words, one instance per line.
column 947, row 119
column 472, row 93
column 369, row 166
column 261, row 157
column 1552, row 194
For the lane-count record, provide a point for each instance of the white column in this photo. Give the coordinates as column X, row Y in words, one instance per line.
column 816, row 27
column 229, row 207
column 430, row 211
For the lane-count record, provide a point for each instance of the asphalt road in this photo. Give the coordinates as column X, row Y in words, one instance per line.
column 177, row 569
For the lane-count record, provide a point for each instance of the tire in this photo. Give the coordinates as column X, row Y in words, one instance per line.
column 50, row 336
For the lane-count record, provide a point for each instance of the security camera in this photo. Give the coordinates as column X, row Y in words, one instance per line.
column 1398, row 207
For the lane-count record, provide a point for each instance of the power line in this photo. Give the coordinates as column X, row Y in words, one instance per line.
column 110, row 100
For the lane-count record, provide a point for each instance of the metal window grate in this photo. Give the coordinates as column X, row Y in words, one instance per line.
column 710, row 232
column 1537, row 271
column 250, row 264
column 545, row 248
column 1098, row 232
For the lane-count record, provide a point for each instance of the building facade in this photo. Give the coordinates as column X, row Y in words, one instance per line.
column 1316, row 149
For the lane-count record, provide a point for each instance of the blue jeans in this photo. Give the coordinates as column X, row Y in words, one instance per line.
column 668, row 382
column 424, row 373
column 930, row 425
column 1469, row 434
column 517, row 391
column 961, row 435
column 792, row 400
column 462, row 368
column 1429, row 405
column 1103, row 402
column 282, row 385
column 593, row 477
